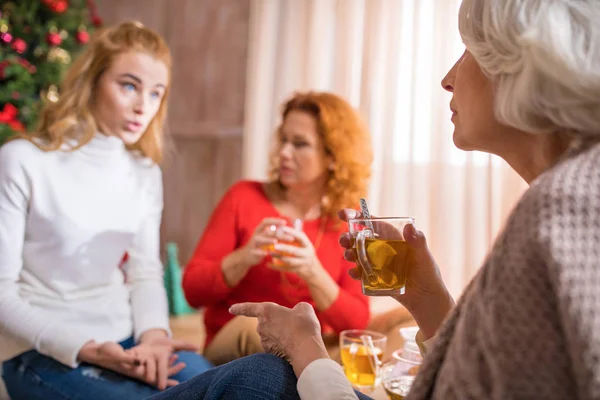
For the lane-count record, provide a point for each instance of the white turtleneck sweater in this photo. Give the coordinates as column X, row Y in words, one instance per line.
column 66, row 220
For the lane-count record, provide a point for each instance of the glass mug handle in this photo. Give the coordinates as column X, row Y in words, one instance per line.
column 363, row 259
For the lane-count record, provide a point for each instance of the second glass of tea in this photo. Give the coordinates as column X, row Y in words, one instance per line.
column 277, row 232
column 362, row 354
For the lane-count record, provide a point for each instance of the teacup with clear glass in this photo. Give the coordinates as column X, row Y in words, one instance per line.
column 398, row 374
column 362, row 353
column 279, row 236
column 382, row 253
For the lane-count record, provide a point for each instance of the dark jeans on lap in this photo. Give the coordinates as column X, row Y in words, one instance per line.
column 33, row 376
column 256, row 377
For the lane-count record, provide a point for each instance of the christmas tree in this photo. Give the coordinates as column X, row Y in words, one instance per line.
column 38, row 40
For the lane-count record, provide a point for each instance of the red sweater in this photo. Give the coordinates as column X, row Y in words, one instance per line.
column 232, row 224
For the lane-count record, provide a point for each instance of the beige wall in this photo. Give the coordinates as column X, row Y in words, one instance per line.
column 208, row 40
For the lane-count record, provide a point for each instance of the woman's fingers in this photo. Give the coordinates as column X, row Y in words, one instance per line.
column 162, row 371
column 350, row 255
column 177, row 368
column 289, row 264
column 116, row 353
column 261, row 240
column 280, row 265
column 150, row 375
column 259, row 253
column 288, row 249
column 172, row 382
column 346, row 240
column 355, row 273
column 346, row 214
column 297, row 236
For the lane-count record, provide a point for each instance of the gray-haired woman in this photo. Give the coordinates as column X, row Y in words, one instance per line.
column 527, row 88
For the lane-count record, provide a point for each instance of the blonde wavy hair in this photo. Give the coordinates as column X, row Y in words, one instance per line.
column 346, row 140
column 70, row 117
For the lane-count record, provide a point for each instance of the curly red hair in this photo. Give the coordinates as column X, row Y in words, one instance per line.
column 346, row 139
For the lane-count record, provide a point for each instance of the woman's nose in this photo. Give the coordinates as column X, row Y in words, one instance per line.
column 286, row 150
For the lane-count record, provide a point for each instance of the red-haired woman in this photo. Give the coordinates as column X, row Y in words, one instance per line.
column 321, row 164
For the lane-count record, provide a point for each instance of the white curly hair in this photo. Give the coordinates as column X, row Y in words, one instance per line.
column 543, row 57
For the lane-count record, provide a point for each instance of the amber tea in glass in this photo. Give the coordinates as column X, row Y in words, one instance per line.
column 361, row 353
column 383, row 254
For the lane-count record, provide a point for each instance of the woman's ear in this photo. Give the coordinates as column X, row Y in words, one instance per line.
column 330, row 161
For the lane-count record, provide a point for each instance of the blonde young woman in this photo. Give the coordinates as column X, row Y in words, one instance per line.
column 75, row 196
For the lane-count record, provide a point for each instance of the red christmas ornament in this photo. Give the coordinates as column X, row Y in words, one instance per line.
column 9, row 116
column 19, row 46
column 82, row 37
column 53, row 39
column 9, row 113
column 60, row 7
column 96, row 20
column 23, row 62
column 6, row 37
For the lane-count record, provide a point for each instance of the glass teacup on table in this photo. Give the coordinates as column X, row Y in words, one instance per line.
column 361, row 352
column 398, row 374
column 382, row 253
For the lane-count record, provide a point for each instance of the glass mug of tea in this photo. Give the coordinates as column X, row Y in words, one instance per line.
column 361, row 352
column 279, row 235
column 382, row 253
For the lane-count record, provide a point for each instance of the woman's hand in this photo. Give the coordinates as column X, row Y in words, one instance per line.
column 156, row 356
column 264, row 236
column 426, row 296
column 237, row 264
column 112, row 356
column 294, row 334
column 300, row 259
column 152, row 362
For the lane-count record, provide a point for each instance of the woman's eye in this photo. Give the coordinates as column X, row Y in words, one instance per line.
column 129, row 86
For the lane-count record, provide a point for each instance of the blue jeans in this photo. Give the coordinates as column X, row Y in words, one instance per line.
column 33, row 376
column 256, row 377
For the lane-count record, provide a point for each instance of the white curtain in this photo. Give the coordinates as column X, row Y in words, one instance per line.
column 387, row 58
